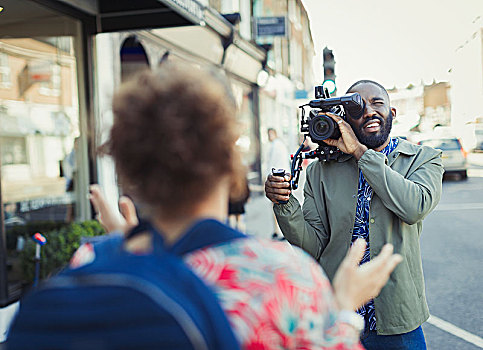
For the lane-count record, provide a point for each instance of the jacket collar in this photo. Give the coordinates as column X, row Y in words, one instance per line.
column 404, row 147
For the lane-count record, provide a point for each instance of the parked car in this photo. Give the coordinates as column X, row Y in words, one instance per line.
column 454, row 156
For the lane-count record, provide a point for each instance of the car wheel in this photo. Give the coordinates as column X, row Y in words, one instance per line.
column 464, row 175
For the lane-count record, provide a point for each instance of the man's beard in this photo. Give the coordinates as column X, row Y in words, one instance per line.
column 375, row 140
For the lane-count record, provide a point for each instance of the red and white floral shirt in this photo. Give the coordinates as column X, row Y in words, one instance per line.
column 275, row 296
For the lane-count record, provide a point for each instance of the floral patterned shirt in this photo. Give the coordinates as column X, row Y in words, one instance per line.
column 276, row 296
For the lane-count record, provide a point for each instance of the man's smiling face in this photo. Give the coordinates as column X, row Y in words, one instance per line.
column 373, row 128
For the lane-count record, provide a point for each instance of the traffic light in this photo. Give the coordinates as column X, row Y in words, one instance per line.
column 329, row 71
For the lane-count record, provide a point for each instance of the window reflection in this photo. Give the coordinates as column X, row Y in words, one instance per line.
column 39, row 129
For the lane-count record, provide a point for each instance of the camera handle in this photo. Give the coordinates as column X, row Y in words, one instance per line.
column 323, row 153
column 296, row 166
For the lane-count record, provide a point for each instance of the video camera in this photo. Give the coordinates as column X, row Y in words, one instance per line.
column 320, row 127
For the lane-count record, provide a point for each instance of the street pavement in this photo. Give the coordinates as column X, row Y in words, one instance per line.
column 259, row 217
column 451, row 247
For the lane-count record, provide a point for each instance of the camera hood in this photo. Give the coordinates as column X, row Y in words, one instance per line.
column 352, row 103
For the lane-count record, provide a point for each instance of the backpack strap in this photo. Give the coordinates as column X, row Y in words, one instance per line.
column 203, row 233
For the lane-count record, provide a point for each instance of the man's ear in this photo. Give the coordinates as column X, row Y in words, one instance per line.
column 393, row 110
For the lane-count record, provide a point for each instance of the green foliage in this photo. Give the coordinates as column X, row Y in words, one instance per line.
column 29, row 229
column 61, row 243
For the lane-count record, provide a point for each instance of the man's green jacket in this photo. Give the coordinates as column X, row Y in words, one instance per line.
column 406, row 187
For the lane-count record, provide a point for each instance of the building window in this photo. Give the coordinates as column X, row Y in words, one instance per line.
column 14, row 150
column 52, row 87
column 294, row 14
column 4, row 71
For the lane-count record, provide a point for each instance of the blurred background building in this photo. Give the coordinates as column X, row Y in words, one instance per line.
column 467, row 88
column 283, row 28
column 420, row 108
column 454, row 107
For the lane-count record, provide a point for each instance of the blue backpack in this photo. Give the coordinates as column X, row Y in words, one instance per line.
column 126, row 301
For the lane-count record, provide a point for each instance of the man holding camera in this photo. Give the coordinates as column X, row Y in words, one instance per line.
column 380, row 189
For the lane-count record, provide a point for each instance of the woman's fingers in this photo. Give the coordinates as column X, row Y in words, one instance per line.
column 380, row 268
column 386, row 260
column 128, row 211
column 392, row 262
column 109, row 216
column 356, row 252
column 94, row 196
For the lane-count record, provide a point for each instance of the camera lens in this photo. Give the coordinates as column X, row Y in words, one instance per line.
column 322, row 127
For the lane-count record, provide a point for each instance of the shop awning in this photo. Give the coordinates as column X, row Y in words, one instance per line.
column 44, row 17
column 140, row 14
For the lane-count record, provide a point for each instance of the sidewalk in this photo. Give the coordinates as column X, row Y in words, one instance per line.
column 259, row 216
column 259, row 213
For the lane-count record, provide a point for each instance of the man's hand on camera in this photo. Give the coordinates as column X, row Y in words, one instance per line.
column 348, row 142
column 277, row 188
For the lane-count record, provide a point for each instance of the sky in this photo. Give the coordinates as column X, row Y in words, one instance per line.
column 394, row 42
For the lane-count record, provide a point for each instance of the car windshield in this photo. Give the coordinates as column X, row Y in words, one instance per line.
column 445, row 145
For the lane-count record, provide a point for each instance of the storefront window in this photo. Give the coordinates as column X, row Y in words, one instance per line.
column 39, row 133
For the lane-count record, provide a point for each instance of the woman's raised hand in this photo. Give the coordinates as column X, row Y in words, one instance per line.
column 355, row 285
column 122, row 219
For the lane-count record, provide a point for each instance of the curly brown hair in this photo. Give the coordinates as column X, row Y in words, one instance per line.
column 174, row 138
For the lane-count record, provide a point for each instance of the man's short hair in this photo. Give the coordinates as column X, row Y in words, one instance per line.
column 366, row 81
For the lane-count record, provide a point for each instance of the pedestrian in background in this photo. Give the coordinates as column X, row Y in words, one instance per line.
column 277, row 158
column 275, row 297
column 236, row 210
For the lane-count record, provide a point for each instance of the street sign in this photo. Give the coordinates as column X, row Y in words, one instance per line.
column 301, row 94
column 270, row 26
